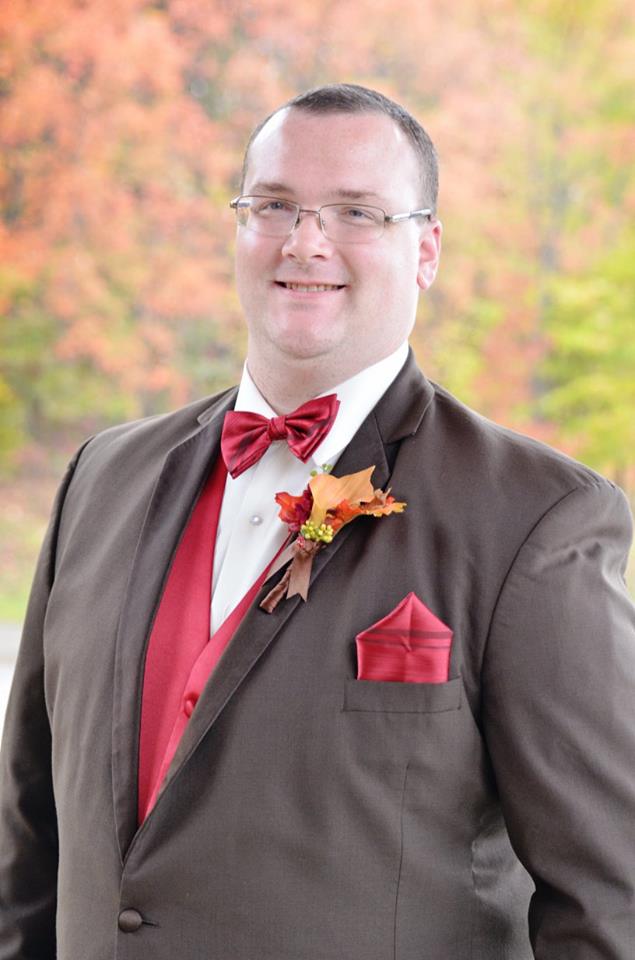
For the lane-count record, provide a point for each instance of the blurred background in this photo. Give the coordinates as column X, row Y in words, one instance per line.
column 122, row 125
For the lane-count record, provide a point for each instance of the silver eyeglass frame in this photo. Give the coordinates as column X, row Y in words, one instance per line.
column 388, row 218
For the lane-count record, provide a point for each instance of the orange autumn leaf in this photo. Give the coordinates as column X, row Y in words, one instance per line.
column 381, row 505
column 342, row 514
column 329, row 491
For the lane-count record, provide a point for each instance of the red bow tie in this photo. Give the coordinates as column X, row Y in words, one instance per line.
column 246, row 436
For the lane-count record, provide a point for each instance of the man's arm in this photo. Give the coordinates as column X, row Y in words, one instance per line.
column 28, row 823
column 559, row 716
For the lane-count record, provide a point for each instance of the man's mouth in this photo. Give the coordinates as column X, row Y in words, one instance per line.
column 310, row 287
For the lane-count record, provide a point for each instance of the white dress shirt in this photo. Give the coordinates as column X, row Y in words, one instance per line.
column 249, row 529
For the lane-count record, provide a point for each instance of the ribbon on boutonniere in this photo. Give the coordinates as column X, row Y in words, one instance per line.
column 316, row 516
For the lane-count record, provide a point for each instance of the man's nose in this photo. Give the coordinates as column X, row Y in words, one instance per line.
column 306, row 240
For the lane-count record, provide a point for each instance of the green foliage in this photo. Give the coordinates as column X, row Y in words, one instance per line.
column 23, row 520
column 12, row 434
column 590, row 369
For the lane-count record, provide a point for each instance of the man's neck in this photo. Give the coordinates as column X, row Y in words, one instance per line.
column 286, row 386
column 288, row 383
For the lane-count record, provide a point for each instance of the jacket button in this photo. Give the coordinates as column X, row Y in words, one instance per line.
column 130, row 920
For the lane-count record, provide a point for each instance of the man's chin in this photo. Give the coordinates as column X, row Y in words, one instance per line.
column 306, row 344
column 306, row 352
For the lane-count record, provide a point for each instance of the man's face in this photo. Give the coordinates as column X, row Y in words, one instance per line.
column 369, row 304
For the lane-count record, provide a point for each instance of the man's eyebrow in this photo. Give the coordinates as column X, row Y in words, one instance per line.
column 269, row 188
column 272, row 188
column 346, row 194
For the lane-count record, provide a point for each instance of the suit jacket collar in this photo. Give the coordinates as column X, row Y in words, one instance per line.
column 402, row 408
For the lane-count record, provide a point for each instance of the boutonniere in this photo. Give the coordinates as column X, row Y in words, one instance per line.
column 317, row 516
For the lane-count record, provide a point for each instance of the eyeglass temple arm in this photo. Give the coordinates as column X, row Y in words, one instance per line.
column 398, row 217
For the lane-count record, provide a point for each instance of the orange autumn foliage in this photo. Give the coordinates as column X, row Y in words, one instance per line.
column 122, row 127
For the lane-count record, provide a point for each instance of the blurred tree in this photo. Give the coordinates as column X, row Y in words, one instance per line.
column 111, row 243
column 570, row 184
column 122, row 126
column 590, row 369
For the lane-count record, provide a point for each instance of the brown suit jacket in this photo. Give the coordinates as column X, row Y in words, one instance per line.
column 308, row 815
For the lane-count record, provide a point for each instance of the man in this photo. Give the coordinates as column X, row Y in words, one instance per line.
column 319, row 782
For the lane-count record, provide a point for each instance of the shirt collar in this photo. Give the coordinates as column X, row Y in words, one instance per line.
column 357, row 395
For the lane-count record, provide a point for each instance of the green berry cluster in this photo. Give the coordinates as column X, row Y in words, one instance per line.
column 310, row 531
column 326, row 468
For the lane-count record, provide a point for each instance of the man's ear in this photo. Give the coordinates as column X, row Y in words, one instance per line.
column 429, row 253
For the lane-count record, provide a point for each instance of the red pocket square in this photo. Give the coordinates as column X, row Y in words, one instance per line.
column 410, row 645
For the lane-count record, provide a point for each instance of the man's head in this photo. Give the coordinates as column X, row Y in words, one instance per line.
column 321, row 305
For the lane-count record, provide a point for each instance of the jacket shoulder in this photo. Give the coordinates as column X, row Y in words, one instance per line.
column 153, row 437
column 499, row 456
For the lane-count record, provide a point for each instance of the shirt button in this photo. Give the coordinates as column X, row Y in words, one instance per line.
column 255, row 520
column 130, row 920
column 188, row 704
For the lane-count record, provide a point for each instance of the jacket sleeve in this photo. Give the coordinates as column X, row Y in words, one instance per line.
column 28, row 827
column 559, row 718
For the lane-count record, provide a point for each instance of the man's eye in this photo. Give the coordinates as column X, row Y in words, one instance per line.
column 357, row 215
column 273, row 206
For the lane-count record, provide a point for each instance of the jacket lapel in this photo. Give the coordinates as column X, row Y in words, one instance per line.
column 180, row 481
column 397, row 415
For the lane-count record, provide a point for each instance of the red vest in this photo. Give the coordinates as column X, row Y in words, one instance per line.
column 181, row 654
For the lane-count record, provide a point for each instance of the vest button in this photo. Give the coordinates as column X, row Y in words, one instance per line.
column 130, row 920
column 188, row 705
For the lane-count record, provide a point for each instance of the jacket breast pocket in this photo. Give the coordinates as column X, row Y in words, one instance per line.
column 384, row 696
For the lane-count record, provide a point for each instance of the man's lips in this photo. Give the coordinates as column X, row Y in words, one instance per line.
column 309, row 287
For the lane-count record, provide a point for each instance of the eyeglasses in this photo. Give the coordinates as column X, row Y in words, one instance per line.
column 340, row 222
